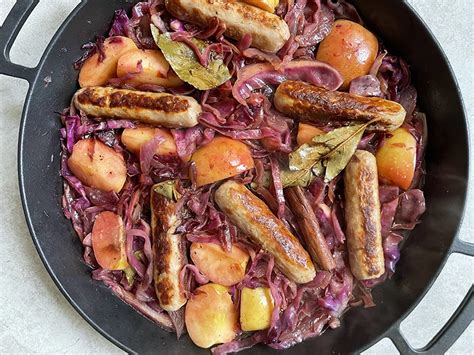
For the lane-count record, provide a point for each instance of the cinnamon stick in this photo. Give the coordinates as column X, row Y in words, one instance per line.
column 309, row 225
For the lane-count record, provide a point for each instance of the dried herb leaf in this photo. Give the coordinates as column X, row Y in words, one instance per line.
column 288, row 178
column 329, row 153
column 318, row 169
column 167, row 189
column 186, row 65
column 130, row 275
column 305, row 157
column 339, row 158
column 296, row 178
column 140, row 255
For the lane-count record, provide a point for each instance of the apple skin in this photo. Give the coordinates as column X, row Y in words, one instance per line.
column 108, row 241
column 306, row 133
column 95, row 72
column 210, row 316
column 219, row 266
column 135, row 138
column 256, row 307
column 396, row 159
column 147, row 66
column 97, row 165
column 350, row 49
column 220, row 159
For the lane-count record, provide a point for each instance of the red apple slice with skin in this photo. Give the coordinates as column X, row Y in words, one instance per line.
column 97, row 71
column 97, row 165
column 220, row 159
column 108, row 241
column 396, row 159
column 147, row 66
column 306, row 133
column 135, row 138
column 211, row 317
column 219, row 266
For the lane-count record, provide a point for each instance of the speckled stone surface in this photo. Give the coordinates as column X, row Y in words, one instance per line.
column 34, row 316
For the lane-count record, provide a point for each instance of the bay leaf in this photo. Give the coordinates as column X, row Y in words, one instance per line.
column 318, row 168
column 140, row 255
column 339, row 157
column 130, row 275
column 167, row 189
column 328, row 153
column 305, row 157
column 288, row 178
column 186, row 65
column 296, row 178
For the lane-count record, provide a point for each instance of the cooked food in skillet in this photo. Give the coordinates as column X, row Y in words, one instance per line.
column 242, row 171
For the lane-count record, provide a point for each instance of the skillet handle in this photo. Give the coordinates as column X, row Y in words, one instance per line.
column 446, row 337
column 462, row 247
column 454, row 327
column 8, row 33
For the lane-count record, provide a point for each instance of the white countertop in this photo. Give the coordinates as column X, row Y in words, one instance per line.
column 36, row 318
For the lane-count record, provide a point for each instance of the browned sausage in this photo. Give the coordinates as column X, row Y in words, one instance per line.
column 169, row 252
column 254, row 218
column 311, row 103
column 269, row 32
column 362, row 213
column 157, row 109
column 309, row 225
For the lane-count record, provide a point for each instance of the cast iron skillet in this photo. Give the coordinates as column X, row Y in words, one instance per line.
column 423, row 256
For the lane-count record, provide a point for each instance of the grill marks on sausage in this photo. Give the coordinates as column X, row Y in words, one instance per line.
column 249, row 13
column 308, row 102
column 334, row 104
column 362, row 214
column 269, row 32
column 90, row 97
column 133, row 100
column 252, row 216
column 278, row 231
column 164, row 223
column 368, row 205
column 163, row 103
column 166, row 291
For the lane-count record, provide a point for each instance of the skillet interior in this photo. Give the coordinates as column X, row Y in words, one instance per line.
column 422, row 258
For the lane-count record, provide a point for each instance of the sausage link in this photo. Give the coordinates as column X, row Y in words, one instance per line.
column 158, row 109
column 254, row 218
column 169, row 252
column 311, row 103
column 315, row 242
column 362, row 213
column 269, row 32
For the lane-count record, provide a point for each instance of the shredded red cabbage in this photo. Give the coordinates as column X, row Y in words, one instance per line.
column 90, row 49
column 366, row 85
column 258, row 76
